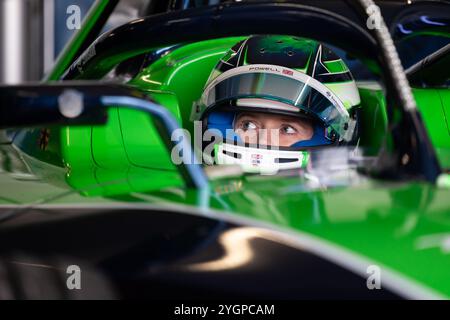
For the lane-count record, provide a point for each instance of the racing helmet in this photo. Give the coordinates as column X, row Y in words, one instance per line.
column 277, row 75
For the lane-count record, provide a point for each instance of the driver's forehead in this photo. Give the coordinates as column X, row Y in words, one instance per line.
column 266, row 117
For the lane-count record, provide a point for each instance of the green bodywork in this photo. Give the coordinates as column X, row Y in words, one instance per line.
column 403, row 227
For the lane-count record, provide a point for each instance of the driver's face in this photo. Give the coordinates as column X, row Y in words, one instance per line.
column 279, row 130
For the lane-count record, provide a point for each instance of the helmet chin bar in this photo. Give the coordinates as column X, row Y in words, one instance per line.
column 260, row 160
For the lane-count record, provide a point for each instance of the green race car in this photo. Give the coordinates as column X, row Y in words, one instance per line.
column 88, row 178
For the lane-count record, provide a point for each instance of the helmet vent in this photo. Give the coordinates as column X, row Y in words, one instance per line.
column 232, row 154
column 285, row 160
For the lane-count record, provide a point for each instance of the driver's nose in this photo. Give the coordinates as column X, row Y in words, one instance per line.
column 264, row 137
column 268, row 136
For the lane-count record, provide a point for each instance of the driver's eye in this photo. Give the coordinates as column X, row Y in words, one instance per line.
column 248, row 125
column 288, row 130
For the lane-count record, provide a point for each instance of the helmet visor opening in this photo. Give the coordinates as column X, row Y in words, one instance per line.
column 286, row 87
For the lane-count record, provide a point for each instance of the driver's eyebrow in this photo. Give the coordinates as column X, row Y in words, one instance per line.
column 247, row 114
column 288, row 119
column 292, row 120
